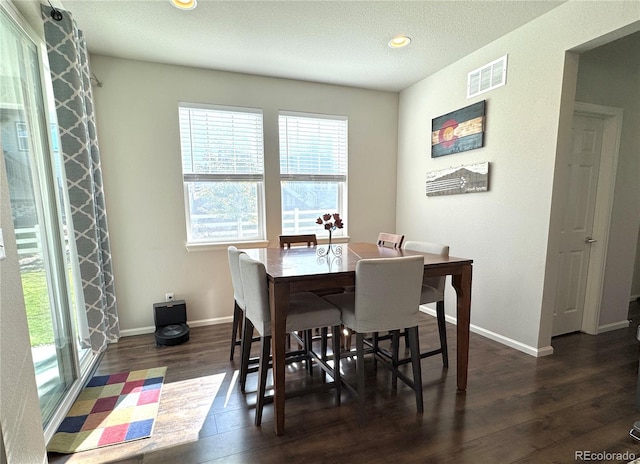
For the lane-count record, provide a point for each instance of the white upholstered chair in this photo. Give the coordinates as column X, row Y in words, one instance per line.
column 386, row 298
column 306, row 311
column 238, row 298
column 386, row 240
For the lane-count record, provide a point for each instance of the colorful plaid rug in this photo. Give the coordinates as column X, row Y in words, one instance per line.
column 111, row 409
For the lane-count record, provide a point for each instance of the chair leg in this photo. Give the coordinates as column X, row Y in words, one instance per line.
column 335, row 335
column 265, row 350
column 247, row 338
column 360, row 375
column 323, row 349
column 414, row 344
column 308, row 340
column 374, row 343
column 395, row 347
column 442, row 330
column 236, row 329
column 345, row 335
column 324, row 333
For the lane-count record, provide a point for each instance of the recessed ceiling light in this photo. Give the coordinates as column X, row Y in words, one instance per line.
column 184, row 4
column 399, row 41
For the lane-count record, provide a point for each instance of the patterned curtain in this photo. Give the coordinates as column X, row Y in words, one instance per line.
column 70, row 74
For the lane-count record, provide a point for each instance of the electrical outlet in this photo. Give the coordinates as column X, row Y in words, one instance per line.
column 169, row 297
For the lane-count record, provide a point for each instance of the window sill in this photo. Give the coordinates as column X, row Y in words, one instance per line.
column 341, row 239
column 195, row 247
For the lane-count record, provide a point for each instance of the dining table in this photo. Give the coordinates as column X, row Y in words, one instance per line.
column 299, row 269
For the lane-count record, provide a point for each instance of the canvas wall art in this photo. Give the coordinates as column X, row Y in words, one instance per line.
column 458, row 131
column 462, row 179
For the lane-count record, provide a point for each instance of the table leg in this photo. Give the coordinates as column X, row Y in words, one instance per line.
column 279, row 305
column 462, row 283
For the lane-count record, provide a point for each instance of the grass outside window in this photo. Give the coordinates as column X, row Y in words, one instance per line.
column 36, row 299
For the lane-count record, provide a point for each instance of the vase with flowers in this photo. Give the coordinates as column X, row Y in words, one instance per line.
column 330, row 222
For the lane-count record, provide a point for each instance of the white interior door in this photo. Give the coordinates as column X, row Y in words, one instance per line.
column 582, row 165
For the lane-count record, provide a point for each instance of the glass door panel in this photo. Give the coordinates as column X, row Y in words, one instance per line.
column 86, row 357
column 36, row 215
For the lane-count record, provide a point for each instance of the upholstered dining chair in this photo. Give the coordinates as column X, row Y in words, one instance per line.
column 433, row 292
column 390, row 240
column 238, row 298
column 384, row 240
column 238, row 301
column 288, row 240
column 386, row 298
column 310, row 240
column 306, row 311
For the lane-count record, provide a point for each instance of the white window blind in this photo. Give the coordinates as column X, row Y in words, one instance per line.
column 313, row 170
column 223, row 172
column 220, row 143
column 313, row 147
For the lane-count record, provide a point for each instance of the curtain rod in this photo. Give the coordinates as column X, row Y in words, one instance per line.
column 95, row 79
column 55, row 13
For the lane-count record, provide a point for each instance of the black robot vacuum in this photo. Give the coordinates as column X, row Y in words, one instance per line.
column 171, row 323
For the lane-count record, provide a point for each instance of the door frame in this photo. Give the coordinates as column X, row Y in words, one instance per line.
column 612, row 119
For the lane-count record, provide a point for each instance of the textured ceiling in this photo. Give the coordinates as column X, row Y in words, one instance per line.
column 337, row 42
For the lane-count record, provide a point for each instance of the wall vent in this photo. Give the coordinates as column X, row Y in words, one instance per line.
column 487, row 77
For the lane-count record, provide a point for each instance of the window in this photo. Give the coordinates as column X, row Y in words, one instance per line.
column 223, row 173
column 313, row 170
column 23, row 137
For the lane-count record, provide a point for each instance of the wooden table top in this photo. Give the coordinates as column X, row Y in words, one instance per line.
column 282, row 263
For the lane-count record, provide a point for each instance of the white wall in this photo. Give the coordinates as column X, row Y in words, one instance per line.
column 504, row 230
column 137, row 118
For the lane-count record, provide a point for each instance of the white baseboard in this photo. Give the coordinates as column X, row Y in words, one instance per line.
column 537, row 352
column 613, row 326
column 427, row 310
column 200, row 323
column 137, row 331
column 213, row 321
column 530, row 350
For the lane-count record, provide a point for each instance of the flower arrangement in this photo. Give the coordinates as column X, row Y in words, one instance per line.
column 331, row 222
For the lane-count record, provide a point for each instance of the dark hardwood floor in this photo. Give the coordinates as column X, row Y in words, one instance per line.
column 517, row 408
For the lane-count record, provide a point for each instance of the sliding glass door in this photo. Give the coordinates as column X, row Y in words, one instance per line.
column 28, row 138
